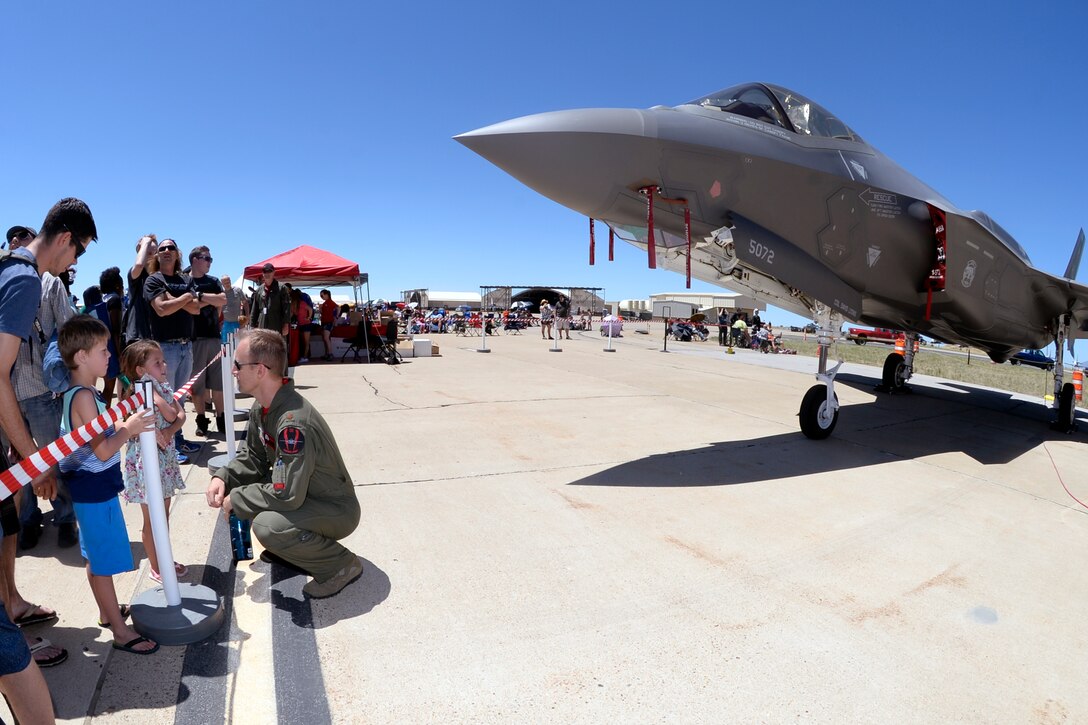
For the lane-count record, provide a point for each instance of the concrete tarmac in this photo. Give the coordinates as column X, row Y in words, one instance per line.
column 635, row 537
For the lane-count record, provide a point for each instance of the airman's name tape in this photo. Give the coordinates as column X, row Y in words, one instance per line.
column 45, row 458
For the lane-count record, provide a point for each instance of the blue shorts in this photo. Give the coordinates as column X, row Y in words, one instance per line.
column 228, row 327
column 103, row 539
column 14, row 652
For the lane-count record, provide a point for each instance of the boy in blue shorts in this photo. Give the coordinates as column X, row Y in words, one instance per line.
column 93, row 475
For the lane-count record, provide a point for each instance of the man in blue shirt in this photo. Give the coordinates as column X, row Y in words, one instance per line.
column 65, row 234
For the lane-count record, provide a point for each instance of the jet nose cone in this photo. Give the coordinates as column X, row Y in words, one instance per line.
column 577, row 158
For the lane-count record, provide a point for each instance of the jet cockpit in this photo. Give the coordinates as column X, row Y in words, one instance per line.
column 780, row 107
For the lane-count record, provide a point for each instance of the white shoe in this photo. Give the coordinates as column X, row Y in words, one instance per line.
column 303, row 360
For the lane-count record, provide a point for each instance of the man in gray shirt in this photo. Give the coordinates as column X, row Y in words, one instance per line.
column 41, row 411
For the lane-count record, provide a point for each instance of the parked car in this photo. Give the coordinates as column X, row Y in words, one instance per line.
column 1035, row 358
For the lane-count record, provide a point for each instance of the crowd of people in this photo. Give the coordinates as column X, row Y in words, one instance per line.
column 556, row 318
column 740, row 330
column 60, row 368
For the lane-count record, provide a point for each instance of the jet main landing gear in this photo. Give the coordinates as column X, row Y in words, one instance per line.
column 899, row 368
column 1065, row 402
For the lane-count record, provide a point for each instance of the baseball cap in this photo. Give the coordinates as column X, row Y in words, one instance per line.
column 17, row 230
column 268, row 267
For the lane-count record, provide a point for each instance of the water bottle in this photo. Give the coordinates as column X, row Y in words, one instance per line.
column 240, row 541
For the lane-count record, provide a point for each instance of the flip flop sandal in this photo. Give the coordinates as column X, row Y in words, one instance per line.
column 130, row 646
column 53, row 661
column 125, row 611
column 29, row 617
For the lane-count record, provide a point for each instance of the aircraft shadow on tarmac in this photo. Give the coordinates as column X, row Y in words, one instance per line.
column 987, row 425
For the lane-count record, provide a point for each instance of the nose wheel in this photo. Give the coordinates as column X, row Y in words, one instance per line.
column 819, row 412
column 820, row 407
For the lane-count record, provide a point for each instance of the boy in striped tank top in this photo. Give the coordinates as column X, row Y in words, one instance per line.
column 93, row 474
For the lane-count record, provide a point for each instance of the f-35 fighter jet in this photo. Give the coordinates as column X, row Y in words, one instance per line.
column 784, row 201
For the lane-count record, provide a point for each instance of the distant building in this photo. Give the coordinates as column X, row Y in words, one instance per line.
column 686, row 304
column 428, row 298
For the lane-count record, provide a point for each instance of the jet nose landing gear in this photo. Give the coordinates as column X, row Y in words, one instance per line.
column 820, row 407
column 819, row 411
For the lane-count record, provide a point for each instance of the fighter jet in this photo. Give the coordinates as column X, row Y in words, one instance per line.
column 786, row 202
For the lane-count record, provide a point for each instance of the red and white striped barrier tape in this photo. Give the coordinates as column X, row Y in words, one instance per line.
column 45, row 458
column 184, row 389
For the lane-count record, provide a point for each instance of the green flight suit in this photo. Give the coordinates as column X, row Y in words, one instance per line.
column 271, row 310
column 291, row 481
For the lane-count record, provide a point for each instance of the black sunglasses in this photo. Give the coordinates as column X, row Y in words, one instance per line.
column 239, row 365
column 205, row 257
column 167, row 248
column 80, row 248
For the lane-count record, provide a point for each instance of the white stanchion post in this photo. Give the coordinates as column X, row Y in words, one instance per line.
column 232, row 345
column 483, row 333
column 609, row 348
column 149, row 454
column 226, row 363
column 229, row 410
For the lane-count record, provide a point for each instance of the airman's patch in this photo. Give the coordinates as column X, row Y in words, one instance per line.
column 290, row 440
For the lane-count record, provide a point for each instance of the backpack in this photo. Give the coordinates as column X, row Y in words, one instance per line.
column 6, row 254
column 54, row 371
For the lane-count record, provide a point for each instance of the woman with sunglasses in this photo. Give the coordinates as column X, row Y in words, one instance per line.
column 168, row 291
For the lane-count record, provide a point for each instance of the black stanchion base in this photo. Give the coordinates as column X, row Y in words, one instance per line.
column 483, row 350
column 199, row 615
column 555, row 349
column 609, row 349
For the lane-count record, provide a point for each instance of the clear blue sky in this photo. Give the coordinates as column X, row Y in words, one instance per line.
column 255, row 127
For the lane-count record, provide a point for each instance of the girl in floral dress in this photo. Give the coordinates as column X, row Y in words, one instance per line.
column 143, row 360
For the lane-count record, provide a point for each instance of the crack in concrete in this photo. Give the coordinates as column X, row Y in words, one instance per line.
column 383, row 397
column 469, row 476
column 402, row 406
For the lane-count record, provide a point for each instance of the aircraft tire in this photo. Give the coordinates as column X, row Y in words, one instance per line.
column 1067, row 409
column 892, row 378
column 815, row 421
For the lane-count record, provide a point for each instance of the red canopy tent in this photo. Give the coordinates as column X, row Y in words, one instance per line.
column 308, row 266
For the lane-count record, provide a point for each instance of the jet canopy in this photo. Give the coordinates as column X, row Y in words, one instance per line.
column 780, row 107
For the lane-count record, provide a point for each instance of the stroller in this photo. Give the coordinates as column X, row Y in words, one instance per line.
column 613, row 325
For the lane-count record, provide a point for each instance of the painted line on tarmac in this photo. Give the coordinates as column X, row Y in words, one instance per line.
column 209, row 666
column 300, row 688
column 208, row 688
